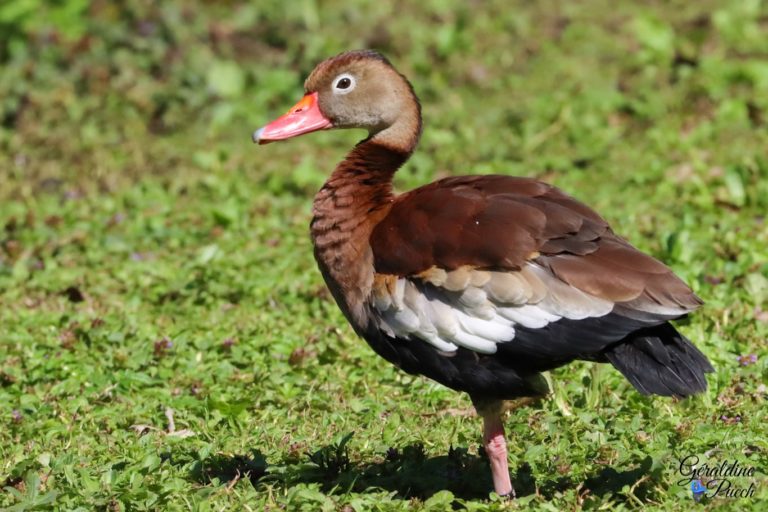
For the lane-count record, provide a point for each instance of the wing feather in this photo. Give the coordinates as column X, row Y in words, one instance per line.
column 476, row 259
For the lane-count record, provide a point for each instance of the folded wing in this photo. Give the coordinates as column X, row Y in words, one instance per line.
column 497, row 264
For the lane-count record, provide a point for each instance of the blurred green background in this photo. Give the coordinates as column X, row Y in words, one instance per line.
column 151, row 256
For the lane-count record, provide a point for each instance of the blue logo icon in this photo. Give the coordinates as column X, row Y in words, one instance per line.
column 697, row 490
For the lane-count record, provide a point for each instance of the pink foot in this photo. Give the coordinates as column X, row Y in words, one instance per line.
column 496, row 448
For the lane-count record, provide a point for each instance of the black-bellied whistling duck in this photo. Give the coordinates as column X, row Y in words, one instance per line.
column 478, row 282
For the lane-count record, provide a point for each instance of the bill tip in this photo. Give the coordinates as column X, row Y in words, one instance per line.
column 257, row 136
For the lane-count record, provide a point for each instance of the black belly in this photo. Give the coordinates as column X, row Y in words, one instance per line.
column 655, row 358
column 494, row 376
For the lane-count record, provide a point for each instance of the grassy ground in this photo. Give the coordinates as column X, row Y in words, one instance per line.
column 154, row 265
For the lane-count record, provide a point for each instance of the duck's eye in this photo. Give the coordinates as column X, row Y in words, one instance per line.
column 344, row 84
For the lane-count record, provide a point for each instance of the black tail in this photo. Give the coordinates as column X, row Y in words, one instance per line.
column 659, row 360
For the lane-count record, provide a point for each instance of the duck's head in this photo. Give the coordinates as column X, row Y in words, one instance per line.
column 357, row 89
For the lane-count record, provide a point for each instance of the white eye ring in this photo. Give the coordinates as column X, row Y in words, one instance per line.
column 344, row 84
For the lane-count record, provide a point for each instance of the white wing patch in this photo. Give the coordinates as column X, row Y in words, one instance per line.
column 478, row 309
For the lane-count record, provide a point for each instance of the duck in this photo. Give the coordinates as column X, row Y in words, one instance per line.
column 479, row 282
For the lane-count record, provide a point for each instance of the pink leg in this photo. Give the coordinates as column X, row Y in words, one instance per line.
column 496, row 448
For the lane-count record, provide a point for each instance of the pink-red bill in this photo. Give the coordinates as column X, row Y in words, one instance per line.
column 303, row 117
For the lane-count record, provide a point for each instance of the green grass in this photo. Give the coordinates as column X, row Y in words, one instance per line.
column 152, row 258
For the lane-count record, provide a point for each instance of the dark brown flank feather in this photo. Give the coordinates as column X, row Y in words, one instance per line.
column 502, row 222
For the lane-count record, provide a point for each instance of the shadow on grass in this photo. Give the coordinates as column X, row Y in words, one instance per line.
column 407, row 472
column 227, row 468
column 610, row 481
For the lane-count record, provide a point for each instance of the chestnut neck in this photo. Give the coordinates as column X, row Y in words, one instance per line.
column 360, row 186
column 346, row 209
